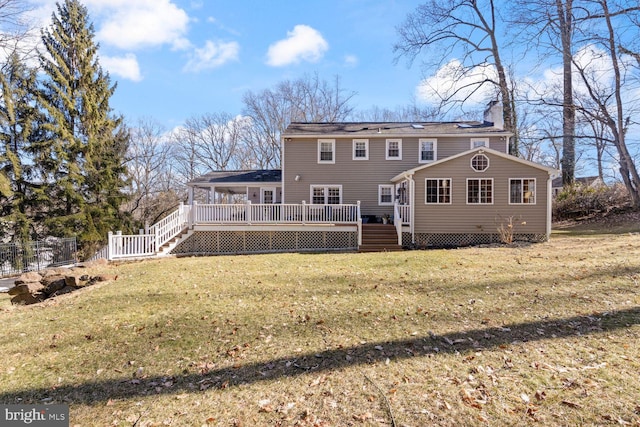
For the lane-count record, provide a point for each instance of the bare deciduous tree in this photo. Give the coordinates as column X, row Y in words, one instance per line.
column 467, row 28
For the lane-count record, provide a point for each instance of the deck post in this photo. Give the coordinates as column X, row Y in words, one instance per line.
column 248, row 215
column 304, row 212
column 359, row 219
column 193, row 218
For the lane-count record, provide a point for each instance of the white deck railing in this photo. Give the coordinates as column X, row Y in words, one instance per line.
column 249, row 213
column 405, row 213
column 149, row 243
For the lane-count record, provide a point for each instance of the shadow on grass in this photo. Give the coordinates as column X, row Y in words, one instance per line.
column 368, row 353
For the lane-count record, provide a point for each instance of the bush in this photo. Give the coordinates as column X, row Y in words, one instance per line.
column 579, row 201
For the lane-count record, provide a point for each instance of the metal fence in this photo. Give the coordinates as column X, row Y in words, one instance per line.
column 16, row 258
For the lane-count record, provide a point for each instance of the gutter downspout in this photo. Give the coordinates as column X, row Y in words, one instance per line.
column 549, row 206
column 412, row 203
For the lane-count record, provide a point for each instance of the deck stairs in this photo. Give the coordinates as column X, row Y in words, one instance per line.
column 170, row 245
column 379, row 238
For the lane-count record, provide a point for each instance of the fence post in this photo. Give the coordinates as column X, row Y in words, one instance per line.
column 109, row 246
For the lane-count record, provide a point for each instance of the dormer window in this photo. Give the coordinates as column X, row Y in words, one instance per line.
column 480, row 163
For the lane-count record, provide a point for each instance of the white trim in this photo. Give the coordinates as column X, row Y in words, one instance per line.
column 522, row 203
column 477, row 155
column 393, row 190
column 326, row 195
column 550, row 171
column 434, row 141
column 473, row 140
column 386, row 149
column 274, row 195
column 438, row 202
column 479, row 203
column 333, row 151
column 366, row 145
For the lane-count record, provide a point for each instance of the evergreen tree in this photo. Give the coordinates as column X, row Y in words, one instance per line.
column 82, row 154
column 18, row 127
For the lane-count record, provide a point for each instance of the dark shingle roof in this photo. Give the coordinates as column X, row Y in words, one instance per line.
column 391, row 128
column 235, row 177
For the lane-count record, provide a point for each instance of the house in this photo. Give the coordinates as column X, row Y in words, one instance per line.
column 439, row 183
column 585, row 181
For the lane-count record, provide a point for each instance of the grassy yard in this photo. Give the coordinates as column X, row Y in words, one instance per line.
column 546, row 334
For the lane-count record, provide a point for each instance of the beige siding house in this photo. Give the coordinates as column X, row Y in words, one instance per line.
column 432, row 184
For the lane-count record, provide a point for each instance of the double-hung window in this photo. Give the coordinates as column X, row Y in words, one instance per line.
column 326, row 151
column 428, row 150
column 438, row 191
column 522, row 191
column 326, row 194
column 385, row 194
column 480, row 191
column 394, row 149
column 360, row 149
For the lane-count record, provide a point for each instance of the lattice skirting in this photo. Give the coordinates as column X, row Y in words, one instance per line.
column 451, row 240
column 245, row 242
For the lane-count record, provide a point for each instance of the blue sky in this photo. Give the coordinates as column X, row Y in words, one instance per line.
column 174, row 59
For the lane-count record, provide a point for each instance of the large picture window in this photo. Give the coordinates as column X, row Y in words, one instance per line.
column 326, row 151
column 427, row 150
column 437, row 191
column 479, row 191
column 326, row 194
column 522, row 191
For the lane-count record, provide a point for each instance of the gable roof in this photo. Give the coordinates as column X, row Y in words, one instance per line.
column 239, row 177
column 550, row 171
column 392, row 129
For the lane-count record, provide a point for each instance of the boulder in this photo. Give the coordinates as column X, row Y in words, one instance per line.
column 65, row 290
column 104, row 277
column 79, row 281
column 53, row 283
column 26, row 288
column 29, row 277
column 26, row 299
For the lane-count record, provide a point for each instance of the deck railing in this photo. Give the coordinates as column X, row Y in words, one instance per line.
column 249, row 213
column 405, row 213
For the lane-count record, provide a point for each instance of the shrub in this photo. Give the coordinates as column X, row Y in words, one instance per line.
column 579, row 201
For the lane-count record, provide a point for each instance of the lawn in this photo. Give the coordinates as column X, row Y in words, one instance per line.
column 544, row 334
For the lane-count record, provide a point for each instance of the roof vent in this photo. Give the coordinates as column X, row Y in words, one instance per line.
column 417, row 126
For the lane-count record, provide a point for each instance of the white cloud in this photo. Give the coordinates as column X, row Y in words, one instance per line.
column 134, row 24
column 124, row 66
column 212, row 55
column 350, row 61
column 454, row 82
column 303, row 43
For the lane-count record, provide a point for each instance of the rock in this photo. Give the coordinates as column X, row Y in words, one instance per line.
column 77, row 281
column 65, row 290
column 104, row 278
column 29, row 277
column 53, row 283
column 26, row 299
column 26, row 288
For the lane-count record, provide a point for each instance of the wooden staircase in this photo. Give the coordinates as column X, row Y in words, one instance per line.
column 379, row 238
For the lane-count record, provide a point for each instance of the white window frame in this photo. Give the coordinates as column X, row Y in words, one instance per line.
column 435, row 149
column 426, row 202
column 472, row 143
column 386, row 152
column 390, row 187
column 265, row 189
column 333, row 151
column 479, row 181
column 522, row 202
column 366, row 148
column 478, row 155
column 326, row 188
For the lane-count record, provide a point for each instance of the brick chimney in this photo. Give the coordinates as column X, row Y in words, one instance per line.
column 493, row 115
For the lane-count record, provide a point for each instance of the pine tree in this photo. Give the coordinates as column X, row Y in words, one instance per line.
column 18, row 127
column 83, row 152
